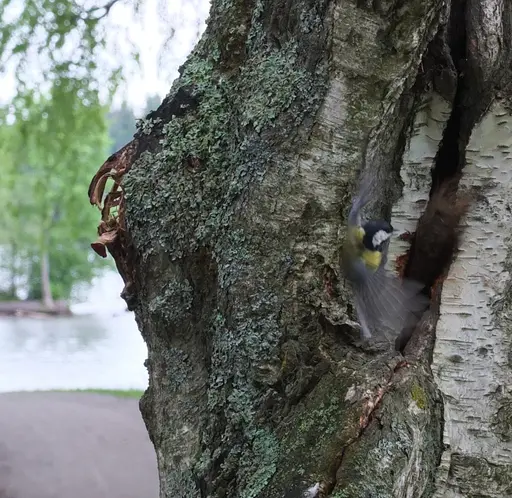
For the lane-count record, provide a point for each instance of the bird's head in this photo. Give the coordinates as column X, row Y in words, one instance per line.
column 376, row 233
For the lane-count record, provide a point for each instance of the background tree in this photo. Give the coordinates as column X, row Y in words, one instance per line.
column 43, row 156
column 10, row 231
column 45, row 170
column 235, row 199
column 54, row 51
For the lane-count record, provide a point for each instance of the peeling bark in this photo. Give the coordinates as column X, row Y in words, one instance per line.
column 235, row 195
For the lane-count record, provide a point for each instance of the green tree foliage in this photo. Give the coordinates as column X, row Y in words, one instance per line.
column 53, row 136
column 56, row 137
column 47, row 161
column 66, row 40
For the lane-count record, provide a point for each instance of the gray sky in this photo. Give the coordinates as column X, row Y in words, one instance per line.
column 160, row 62
column 179, row 22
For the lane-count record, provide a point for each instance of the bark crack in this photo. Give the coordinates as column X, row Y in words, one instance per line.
column 373, row 400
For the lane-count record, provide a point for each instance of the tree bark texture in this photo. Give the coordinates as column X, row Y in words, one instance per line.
column 236, row 201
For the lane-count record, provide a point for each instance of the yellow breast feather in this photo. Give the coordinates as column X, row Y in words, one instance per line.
column 371, row 259
column 356, row 234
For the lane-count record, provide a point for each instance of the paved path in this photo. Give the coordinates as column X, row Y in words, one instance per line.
column 74, row 445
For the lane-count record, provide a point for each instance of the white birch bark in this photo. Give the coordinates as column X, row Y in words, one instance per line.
column 418, row 162
column 471, row 360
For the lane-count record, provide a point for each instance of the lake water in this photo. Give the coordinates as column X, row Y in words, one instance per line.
column 99, row 347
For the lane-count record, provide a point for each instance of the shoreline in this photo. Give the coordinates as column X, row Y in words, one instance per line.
column 117, row 393
column 33, row 309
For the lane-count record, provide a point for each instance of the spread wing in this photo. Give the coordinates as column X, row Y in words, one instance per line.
column 385, row 302
column 363, row 192
column 359, row 201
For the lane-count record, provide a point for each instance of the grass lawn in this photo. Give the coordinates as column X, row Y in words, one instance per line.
column 129, row 393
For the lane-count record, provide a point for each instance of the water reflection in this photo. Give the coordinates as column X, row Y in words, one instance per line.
column 83, row 351
column 68, row 334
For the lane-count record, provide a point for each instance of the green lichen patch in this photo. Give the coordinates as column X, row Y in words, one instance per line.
column 238, row 347
column 176, row 294
column 232, row 20
column 179, row 483
column 179, row 368
column 283, row 81
column 419, row 396
column 211, row 154
column 314, row 436
column 262, row 463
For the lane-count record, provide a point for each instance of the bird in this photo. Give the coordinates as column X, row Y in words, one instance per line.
column 382, row 300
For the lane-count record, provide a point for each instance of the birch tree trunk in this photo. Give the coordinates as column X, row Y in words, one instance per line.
column 46, row 289
column 235, row 195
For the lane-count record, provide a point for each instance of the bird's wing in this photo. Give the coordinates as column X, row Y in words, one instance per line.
column 359, row 201
column 363, row 192
column 387, row 301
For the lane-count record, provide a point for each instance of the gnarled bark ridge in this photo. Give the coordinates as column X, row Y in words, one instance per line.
column 235, row 200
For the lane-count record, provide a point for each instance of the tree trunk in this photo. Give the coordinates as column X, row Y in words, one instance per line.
column 235, row 203
column 13, row 271
column 46, row 289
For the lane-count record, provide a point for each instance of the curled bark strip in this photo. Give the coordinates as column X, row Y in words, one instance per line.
column 112, row 227
column 100, row 245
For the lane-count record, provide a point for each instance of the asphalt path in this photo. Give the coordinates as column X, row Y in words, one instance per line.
column 74, row 445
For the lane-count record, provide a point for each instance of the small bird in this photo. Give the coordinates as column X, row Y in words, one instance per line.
column 382, row 301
